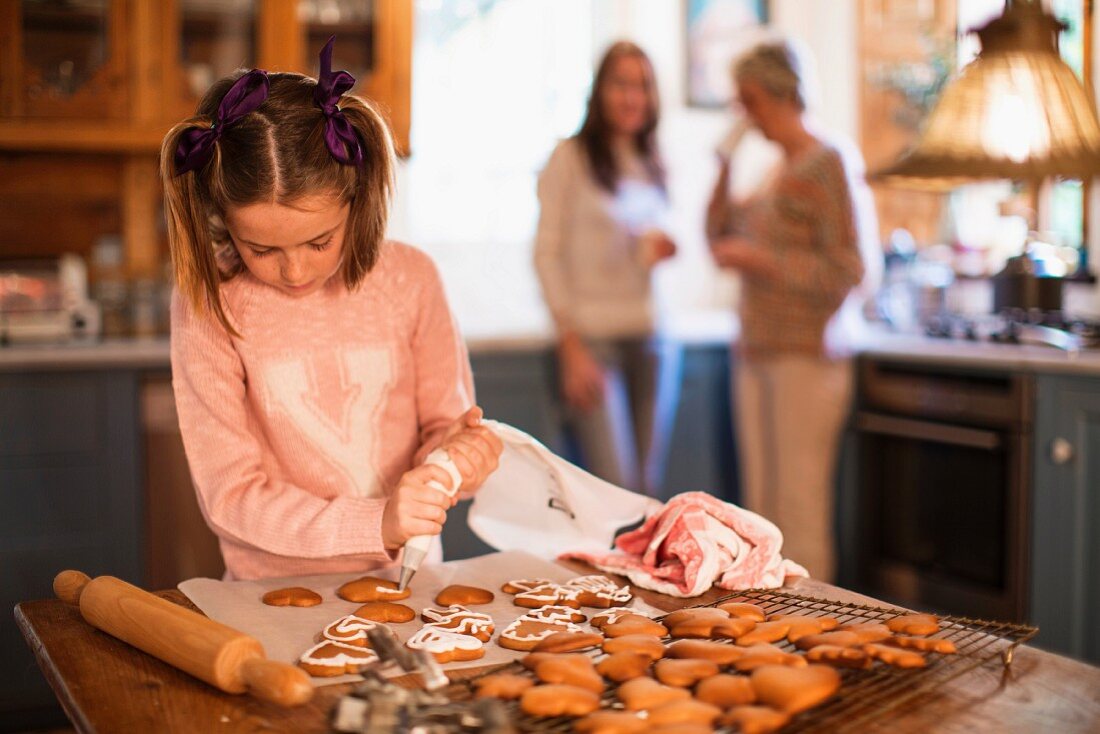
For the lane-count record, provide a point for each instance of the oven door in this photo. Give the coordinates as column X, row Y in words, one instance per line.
column 942, row 515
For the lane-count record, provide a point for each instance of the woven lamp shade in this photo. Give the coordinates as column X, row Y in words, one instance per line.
column 1016, row 112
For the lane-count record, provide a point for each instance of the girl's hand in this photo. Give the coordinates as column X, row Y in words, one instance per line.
column 656, row 247
column 719, row 204
column 415, row 508
column 738, row 254
column 475, row 449
column 582, row 377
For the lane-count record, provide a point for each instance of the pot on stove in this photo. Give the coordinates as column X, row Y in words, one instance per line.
column 1022, row 285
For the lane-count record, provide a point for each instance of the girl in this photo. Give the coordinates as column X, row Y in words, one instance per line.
column 314, row 364
column 802, row 244
column 602, row 202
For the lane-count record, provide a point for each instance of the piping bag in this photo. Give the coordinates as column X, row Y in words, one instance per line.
column 537, row 502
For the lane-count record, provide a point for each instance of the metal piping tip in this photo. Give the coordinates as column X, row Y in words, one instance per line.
column 407, row 573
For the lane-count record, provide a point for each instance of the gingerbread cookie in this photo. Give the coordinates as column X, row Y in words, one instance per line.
column 765, row 632
column 754, row 719
column 794, row 689
column 624, row 666
column 531, row 628
column 569, row 642
column 683, row 672
column 634, row 624
column 642, row 694
column 558, row 700
column 601, row 619
column 838, row 638
column 914, row 624
column 573, row 670
column 548, row 595
column 329, row 658
column 744, row 610
column 371, row 588
column 923, row 644
column 645, row 644
column 599, row 591
column 725, row 690
column 716, row 652
column 294, row 596
column 505, row 686
column 839, row 657
column 895, row 656
column 456, row 594
column 683, row 712
column 707, row 622
column 515, row 587
column 611, row 722
column 350, row 630
column 459, row 619
column 802, row 625
column 756, row 656
column 385, row 612
column 447, row 646
column 867, row 631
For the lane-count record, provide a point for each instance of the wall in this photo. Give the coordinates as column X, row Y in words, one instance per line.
column 690, row 283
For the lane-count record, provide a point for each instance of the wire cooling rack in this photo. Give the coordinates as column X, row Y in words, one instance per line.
column 864, row 695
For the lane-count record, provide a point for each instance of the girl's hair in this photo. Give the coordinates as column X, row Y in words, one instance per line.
column 275, row 154
column 783, row 68
column 595, row 133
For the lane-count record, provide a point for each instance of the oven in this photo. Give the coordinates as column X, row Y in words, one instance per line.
column 944, row 467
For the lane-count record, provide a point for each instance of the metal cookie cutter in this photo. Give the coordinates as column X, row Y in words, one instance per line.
column 379, row 706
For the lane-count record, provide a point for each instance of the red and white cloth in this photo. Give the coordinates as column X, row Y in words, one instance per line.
column 695, row 541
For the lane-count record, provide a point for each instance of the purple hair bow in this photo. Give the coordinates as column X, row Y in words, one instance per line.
column 340, row 137
column 196, row 146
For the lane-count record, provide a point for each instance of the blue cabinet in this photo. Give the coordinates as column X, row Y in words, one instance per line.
column 1065, row 517
column 69, row 498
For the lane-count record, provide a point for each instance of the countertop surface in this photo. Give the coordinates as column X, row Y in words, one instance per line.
column 105, row 685
column 709, row 328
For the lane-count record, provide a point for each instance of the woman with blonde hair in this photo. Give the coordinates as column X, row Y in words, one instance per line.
column 803, row 245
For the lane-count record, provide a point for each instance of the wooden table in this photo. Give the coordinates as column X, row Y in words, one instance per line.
column 107, row 686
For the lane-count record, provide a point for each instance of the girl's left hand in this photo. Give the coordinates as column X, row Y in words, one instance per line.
column 738, row 254
column 475, row 449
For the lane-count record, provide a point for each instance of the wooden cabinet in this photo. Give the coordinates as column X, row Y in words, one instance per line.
column 88, row 91
column 1065, row 519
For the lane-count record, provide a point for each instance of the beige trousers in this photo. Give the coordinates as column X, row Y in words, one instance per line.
column 790, row 411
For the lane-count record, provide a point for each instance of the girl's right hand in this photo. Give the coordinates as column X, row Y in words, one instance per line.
column 582, row 377
column 415, row 508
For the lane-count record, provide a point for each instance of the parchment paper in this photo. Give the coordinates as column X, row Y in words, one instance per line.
column 287, row 632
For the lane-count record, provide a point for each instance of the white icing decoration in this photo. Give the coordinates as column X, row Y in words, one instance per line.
column 348, row 655
column 381, row 590
column 601, row 586
column 529, row 584
column 551, row 614
column 547, row 629
column 459, row 619
column 348, row 628
column 439, row 640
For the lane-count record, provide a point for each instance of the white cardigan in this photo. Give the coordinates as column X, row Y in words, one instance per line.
column 586, row 247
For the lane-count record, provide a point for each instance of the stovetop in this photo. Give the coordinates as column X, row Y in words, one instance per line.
column 1049, row 328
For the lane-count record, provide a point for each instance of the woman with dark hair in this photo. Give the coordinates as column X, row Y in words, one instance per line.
column 603, row 203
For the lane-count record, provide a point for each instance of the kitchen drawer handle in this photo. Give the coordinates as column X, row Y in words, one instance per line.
column 1061, row 451
column 916, row 430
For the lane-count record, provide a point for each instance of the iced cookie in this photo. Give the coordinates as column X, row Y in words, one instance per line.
column 447, row 646
column 601, row 619
column 531, row 628
column 350, row 630
column 463, row 596
column 330, row 658
column 548, row 595
column 370, row 588
column 459, row 619
column 386, row 611
column 599, row 591
column 518, row 585
column 294, row 596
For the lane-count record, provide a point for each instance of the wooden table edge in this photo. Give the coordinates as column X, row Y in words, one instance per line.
column 49, row 671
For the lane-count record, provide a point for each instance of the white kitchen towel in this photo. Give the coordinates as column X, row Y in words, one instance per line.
column 540, row 503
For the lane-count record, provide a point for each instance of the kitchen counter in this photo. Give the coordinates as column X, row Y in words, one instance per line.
column 106, row 685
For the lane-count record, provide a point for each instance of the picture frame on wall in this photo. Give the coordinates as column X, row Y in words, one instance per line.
column 717, row 32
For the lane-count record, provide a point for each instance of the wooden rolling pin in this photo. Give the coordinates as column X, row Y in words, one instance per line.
column 220, row 655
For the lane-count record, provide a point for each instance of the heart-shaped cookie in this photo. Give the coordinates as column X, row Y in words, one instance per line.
column 794, row 689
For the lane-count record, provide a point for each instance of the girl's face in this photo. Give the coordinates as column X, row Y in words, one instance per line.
column 293, row 248
column 626, row 95
column 765, row 110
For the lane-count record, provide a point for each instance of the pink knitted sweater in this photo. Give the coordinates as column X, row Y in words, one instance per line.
column 297, row 432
